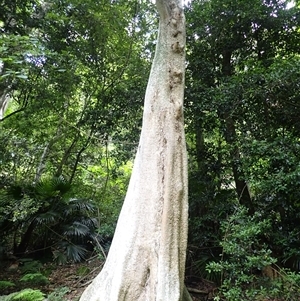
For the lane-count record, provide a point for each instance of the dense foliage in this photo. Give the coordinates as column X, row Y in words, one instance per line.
column 72, row 81
column 242, row 99
column 72, row 84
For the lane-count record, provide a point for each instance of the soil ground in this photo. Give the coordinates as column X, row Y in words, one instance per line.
column 76, row 277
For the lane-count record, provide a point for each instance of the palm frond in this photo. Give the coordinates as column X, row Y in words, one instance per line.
column 60, row 257
column 77, row 229
column 70, row 252
column 75, row 252
column 90, row 222
column 79, row 205
column 52, row 186
column 49, row 217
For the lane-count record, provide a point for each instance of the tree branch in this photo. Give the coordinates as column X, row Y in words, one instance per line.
column 13, row 113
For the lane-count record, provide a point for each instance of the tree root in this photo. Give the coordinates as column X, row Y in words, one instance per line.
column 186, row 295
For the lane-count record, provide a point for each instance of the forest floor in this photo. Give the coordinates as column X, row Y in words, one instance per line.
column 74, row 278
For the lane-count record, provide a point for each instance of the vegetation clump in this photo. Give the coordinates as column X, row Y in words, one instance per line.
column 35, row 278
column 26, row 295
column 4, row 284
column 58, row 294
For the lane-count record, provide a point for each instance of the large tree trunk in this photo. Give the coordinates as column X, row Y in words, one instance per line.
column 147, row 256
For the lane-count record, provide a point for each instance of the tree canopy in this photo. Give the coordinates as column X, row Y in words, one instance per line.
column 72, row 82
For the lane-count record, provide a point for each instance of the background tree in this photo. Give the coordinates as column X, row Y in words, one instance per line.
column 240, row 48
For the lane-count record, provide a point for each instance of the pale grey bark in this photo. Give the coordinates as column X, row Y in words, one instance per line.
column 46, row 150
column 146, row 261
column 42, row 164
column 4, row 101
column 4, row 93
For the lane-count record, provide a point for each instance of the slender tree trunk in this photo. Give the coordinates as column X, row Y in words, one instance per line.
column 5, row 90
column 241, row 186
column 42, row 163
column 4, row 100
column 146, row 261
column 25, row 239
column 200, row 148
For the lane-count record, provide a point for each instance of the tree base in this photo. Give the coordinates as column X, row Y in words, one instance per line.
column 186, row 295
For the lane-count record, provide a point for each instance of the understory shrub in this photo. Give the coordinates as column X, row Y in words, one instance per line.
column 6, row 284
column 58, row 294
column 26, row 295
column 53, row 224
column 35, row 279
column 244, row 259
column 30, row 266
